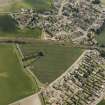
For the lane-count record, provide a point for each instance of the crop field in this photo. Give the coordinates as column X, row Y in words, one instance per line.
column 8, row 28
column 14, row 82
column 102, row 102
column 55, row 60
column 13, row 5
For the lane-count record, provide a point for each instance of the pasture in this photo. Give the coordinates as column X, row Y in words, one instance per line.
column 14, row 82
column 55, row 60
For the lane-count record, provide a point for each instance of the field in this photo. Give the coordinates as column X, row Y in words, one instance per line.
column 55, row 61
column 14, row 82
column 13, row 5
column 103, row 1
column 101, row 37
column 8, row 28
column 102, row 102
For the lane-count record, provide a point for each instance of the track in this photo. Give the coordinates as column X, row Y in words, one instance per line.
column 25, row 40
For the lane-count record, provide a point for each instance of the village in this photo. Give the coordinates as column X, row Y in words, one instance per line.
column 77, row 21
column 74, row 20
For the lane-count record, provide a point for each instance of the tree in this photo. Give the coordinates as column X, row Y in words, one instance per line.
column 96, row 1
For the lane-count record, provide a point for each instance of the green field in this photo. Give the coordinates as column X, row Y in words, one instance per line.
column 103, row 1
column 102, row 102
column 101, row 37
column 55, row 61
column 40, row 5
column 8, row 28
column 14, row 82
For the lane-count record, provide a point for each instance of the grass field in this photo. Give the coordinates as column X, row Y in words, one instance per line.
column 40, row 5
column 102, row 102
column 8, row 28
column 55, row 61
column 101, row 37
column 103, row 1
column 14, row 82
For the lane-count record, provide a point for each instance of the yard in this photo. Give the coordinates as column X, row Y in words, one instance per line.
column 14, row 82
column 55, row 61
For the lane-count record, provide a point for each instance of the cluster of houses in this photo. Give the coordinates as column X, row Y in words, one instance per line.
column 27, row 18
column 77, row 19
column 82, row 84
column 73, row 19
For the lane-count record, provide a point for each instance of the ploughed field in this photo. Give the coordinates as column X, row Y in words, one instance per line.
column 8, row 28
column 48, row 61
column 14, row 82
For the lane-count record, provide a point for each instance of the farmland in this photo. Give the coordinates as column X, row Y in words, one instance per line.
column 14, row 82
column 8, row 28
column 55, row 61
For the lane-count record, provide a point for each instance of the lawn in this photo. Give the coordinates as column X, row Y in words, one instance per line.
column 14, row 82
column 102, row 102
column 8, row 28
column 55, row 61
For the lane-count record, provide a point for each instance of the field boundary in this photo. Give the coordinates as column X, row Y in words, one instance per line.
column 31, row 73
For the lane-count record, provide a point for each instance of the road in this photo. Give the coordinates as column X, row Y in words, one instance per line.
column 71, row 68
column 61, row 8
